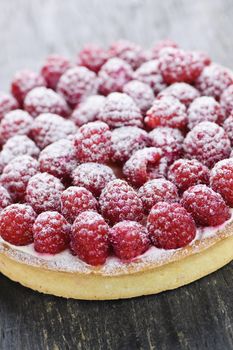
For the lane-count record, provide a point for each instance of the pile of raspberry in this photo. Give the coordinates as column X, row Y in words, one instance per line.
column 120, row 150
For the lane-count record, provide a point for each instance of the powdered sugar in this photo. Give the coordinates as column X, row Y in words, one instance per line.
column 149, row 74
column 120, row 110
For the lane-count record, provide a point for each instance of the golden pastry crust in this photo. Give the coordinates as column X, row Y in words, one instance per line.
column 141, row 277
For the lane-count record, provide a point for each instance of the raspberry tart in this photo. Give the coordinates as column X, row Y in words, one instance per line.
column 116, row 172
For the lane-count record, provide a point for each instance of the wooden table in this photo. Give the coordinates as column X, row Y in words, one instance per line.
column 198, row 316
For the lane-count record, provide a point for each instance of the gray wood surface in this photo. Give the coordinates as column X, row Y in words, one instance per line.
column 198, row 316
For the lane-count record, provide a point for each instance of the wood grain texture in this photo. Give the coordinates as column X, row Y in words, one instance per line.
column 198, row 316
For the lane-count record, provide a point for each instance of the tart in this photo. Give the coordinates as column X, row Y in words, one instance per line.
column 117, row 172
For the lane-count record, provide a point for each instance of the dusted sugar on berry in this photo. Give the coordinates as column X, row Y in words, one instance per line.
column 43, row 100
column 53, row 68
column 44, row 192
column 113, row 75
column 208, row 143
column 169, row 140
column 89, row 238
column 145, row 164
column 92, row 143
column 58, row 159
column 129, row 239
column 228, row 127
column 226, row 101
column 23, row 82
column 88, row 110
column 5, row 198
column 93, row 57
column 221, row 179
column 17, row 122
column 149, row 74
column 16, row 222
column 157, row 190
column 120, row 110
column 184, row 92
column 93, row 176
column 16, row 174
column 118, row 201
column 127, row 51
column 76, row 84
column 75, row 200
column 166, row 111
column 18, row 145
column 214, row 80
column 7, row 103
column 51, row 233
column 204, row 108
column 170, row 226
column 162, row 44
column 206, row 206
column 141, row 93
column 177, row 65
column 48, row 128
column 127, row 140
column 185, row 173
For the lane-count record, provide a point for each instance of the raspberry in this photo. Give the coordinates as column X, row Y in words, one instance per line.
column 113, row 75
column 149, row 74
column 157, row 190
column 89, row 239
column 16, row 122
column 169, row 140
column 93, row 177
column 185, row 173
column 214, row 80
column 93, row 143
column 5, row 198
column 141, row 93
column 166, row 111
column 75, row 200
column 145, row 164
column 205, row 205
column 120, row 110
column 221, row 179
column 170, row 226
column 7, row 103
column 53, row 68
column 18, row 145
column 129, row 239
column 228, row 127
column 44, row 192
column 93, row 57
column 127, row 51
column 204, row 108
column 51, row 233
column 118, row 201
column 16, row 223
column 127, row 140
column 16, row 175
column 49, row 128
column 156, row 49
column 185, row 93
column 208, row 143
column 76, row 84
column 88, row 110
column 23, row 82
column 177, row 65
column 226, row 100
column 43, row 100
column 58, row 159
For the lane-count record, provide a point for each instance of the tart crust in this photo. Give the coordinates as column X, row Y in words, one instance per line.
column 141, row 277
